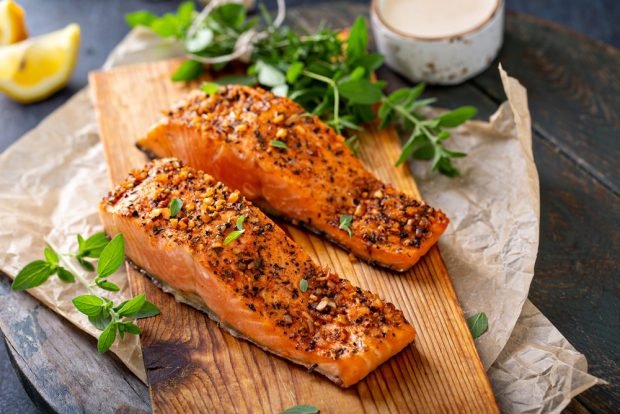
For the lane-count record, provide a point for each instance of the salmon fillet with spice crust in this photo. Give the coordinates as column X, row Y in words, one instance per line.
column 251, row 285
column 293, row 165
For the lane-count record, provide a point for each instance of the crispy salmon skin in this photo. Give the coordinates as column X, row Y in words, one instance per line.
column 252, row 284
column 293, row 165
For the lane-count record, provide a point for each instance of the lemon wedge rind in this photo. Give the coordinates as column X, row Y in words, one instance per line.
column 34, row 69
column 12, row 23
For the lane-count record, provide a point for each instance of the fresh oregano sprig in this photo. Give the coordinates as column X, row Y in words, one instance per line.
column 101, row 311
column 39, row 271
column 330, row 77
column 426, row 135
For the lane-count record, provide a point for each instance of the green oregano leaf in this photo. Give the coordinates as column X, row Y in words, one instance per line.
column 268, row 75
column 280, row 90
column 65, row 275
column 112, row 257
column 301, row 409
column 357, row 42
column 345, row 223
column 230, row 15
column 101, row 320
column 240, row 222
column 234, row 235
column 132, row 328
column 89, row 305
column 189, row 70
column 86, row 265
column 107, row 338
column 32, row 275
column 140, row 18
column 50, row 256
column 146, row 311
column 457, row 116
column 303, row 285
column 210, row 88
column 278, row 144
column 199, row 41
column 107, row 285
column 478, row 324
column 132, row 306
column 93, row 246
column 236, row 80
column 293, row 72
column 360, row 91
column 175, row 206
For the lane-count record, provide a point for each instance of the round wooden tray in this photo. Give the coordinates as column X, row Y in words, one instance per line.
column 574, row 90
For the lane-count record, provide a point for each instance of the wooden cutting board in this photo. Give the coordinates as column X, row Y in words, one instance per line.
column 192, row 365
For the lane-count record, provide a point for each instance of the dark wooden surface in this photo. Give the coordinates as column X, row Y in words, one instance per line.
column 59, row 364
column 574, row 89
column 573, row 84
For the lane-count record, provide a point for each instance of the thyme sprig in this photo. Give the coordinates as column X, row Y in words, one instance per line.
column 101, row 311
column 330, row 77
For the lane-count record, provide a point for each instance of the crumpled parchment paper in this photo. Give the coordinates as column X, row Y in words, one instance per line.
column 54, row 176
column 491, row 243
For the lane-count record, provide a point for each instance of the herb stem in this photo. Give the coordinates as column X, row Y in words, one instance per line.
column 303, row 39
column 114, row 315
column 76, row 272
column 415, row 121
column 331, row 83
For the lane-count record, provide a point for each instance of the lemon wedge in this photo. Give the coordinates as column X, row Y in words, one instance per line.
column 12, row 23
column 33, row 69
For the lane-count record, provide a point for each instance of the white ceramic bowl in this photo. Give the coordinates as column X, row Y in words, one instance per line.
column 439, row 60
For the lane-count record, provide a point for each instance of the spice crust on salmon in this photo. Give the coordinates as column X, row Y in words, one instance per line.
column 260, row 285
column 292, row 164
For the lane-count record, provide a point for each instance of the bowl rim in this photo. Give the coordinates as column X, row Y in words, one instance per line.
column 374, row 8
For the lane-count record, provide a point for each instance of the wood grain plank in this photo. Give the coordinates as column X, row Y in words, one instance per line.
column 194, row 366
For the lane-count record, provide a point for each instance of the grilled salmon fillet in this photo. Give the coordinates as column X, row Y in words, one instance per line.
column 237, row 135
column 251, row 285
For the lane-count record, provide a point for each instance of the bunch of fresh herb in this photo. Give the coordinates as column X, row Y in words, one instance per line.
column 330, row 77
column 101, row 311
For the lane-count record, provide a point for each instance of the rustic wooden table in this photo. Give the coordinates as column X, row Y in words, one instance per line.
column 574, row 91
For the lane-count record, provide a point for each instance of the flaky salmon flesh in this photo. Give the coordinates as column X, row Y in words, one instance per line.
column 252, row 284
column 293, row 165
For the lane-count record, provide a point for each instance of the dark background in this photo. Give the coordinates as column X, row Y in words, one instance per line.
column 103, row 27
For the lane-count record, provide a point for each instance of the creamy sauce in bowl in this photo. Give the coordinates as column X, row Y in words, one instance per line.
column 435, row 19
